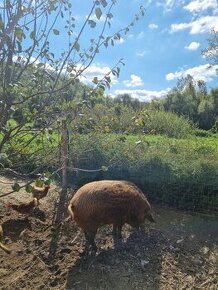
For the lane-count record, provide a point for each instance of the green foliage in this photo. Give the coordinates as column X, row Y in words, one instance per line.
column 39, row 183
column 191, row 100
column 37, row 85
column 4, row 160
column 119, row 118
column 177, row 172
column 16, row 187
column 211, row 53
column 28, row 188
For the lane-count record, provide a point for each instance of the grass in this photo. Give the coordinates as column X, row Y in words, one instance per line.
column 178, row 172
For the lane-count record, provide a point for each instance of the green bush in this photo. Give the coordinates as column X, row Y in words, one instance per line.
column 177, row 172
column 169, row 124
column 102, row 119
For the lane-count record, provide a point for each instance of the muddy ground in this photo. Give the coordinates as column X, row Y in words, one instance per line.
column 179, row 252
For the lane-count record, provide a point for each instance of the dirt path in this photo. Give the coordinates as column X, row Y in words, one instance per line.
column 180, row 252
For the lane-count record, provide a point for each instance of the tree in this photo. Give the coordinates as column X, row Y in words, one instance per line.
column 183, row 98
column 127, row 101
column 190, row 99
column 34, row 92
column 211, row 53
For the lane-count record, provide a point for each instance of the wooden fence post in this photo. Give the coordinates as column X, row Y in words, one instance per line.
column 64, row 154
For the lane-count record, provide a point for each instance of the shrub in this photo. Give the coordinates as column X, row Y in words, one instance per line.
column 181, row 173
column 106, row 120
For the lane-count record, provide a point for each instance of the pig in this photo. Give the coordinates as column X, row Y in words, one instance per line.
column 108, row 202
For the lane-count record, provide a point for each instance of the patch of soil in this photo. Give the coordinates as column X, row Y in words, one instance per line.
column 180, row 252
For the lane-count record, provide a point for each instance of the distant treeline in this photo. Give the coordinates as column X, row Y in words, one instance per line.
column 191, row 99
column 186, row 108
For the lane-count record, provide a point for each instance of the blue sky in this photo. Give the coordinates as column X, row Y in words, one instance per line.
column 162, row 46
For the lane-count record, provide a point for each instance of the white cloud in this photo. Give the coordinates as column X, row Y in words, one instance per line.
column 119, row 41
column 140, row 35
column 201, row 25
column 168, row 5
column 94, row 18
column 179, row 26
column 203, row 72
column 170, row 76
column 130, row 35
column 153, row 26
column 193, row 46
column 135, row 81
column 98, row 71
column 143, row 95
column 95, row 70
column 201, row 5
column 141, row 53
column 34, row 61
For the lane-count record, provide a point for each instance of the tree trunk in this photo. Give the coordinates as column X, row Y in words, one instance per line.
column 62, row 204
column 64, row 153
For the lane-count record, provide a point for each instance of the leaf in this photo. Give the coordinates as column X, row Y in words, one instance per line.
column 92, row 23
column 102, row 87
column 56, row 32
column 39, row 183
column 108, row 79
column 16, row 187
column 141, row 121
column 1, row 23
column 110, row 15
column 19, row 33
column 114, row 72
column 76, row 46
column 104, row 3
column 98, row 13
column 95, row 80
column 28, row 188
column 118, row 35
column 32, row 35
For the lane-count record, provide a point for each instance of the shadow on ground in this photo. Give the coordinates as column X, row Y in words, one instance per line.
column 60, row 213
column 135, row 261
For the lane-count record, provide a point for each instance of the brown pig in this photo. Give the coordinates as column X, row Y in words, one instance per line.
column 108, row 202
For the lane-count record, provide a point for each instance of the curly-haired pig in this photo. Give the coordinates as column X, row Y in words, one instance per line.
column 108, row 202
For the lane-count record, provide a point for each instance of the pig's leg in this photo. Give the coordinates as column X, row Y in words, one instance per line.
column 117, row 228
column 90, row 240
